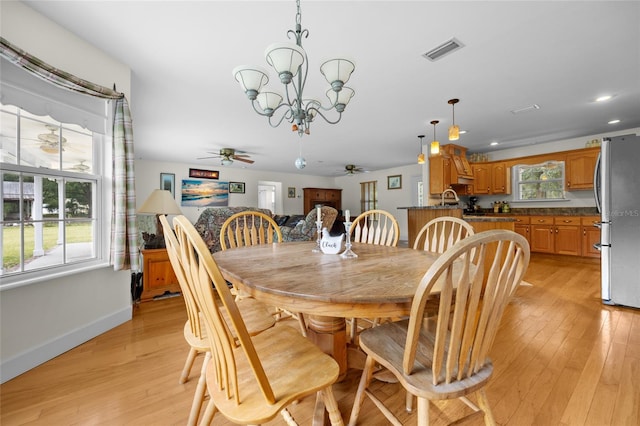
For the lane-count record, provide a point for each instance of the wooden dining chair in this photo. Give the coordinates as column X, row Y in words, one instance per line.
column 375, row 227
column 250, row 228
column 448, row 357
column 439, row 234
column 250, row 380
column 256, row 316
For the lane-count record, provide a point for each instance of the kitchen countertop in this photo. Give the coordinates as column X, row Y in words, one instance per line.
column 471, row 218
column 438, row 207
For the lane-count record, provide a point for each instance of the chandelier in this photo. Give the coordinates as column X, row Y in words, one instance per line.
column 288, row 60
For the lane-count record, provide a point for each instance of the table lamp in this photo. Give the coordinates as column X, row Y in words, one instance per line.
column 159, row 202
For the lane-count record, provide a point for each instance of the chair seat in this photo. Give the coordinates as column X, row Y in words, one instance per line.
column 201, row 344
column 386, row 344
column 301, row 356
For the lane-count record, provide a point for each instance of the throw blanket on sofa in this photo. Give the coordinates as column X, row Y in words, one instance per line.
column 210, row 222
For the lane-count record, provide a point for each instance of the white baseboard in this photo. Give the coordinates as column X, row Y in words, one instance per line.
column 48, row 350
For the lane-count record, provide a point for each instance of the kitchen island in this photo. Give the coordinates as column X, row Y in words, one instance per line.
column 417, row 217
column 487, row 223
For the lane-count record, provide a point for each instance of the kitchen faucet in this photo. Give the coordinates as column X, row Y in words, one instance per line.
column 453, row 192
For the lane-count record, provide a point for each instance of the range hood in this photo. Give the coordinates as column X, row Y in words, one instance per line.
column 461, row 173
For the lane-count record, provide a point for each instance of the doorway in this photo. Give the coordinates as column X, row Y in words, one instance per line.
column 270, row 196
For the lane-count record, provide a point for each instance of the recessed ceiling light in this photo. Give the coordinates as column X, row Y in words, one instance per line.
column 525, row 109
column 603, row 98
column 614, row 122
column 493, row 143
column 462, row 132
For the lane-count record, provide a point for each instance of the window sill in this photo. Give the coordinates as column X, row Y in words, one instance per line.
column 42, row 275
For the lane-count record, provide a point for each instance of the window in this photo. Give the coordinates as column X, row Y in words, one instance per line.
column 368, row 196
column 51, row 193
column 539, row 181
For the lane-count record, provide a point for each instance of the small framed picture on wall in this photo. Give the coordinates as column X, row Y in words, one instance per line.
column 168, row 182
column 236, row 187
column 394, row 182
column 291, row 192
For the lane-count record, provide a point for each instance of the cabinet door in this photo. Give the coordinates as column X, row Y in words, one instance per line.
column 542, row 237
column 481, row 178
column 524, row 231
column 567, row 240
column 439, row 174
column 579, row 170
column 499, row 179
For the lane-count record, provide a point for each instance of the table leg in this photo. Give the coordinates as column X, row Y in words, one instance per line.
column 330, row 335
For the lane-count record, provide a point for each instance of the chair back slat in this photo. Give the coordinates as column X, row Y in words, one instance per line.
column 465, row 330
column 212, row 295
column 377, row 227
column 441, row 233
column 249, row 228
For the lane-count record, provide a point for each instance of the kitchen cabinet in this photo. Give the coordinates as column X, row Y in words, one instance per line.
column 522, row 226
column 439, row 174
column 542, row 235
column 567, row 235
column 157, row 274
column 331, row 197
column 481, row 178
column 500, row 179
column 417, row 217
column 579, row 168
column 590, row 235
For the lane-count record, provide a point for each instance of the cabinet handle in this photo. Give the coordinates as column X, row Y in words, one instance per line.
column 566, row 221
column 541, row 220
column 556, row 230
column 569, row 184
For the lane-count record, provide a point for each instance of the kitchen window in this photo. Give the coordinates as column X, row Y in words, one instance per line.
column 538, row 182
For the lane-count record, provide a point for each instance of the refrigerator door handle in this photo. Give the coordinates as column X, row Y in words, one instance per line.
column 596, row 183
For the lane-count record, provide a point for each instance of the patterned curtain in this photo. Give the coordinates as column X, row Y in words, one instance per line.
column 124, row 229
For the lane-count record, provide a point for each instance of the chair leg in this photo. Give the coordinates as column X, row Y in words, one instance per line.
column 408, row 402
column 423, row 412
column 303, row 325
column 331, row 406
column 198, row 397
column 483, row 402
column 209, row 412
column 184, row 376
column 365, row 379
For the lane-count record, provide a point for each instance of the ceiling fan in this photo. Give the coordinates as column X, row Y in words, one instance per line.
column 352, row 169
column 228, row 155
column 49, row 142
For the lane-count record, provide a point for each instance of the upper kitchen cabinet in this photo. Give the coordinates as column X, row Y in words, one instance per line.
column 491, row 178
column 579, row 168
column 450, row 169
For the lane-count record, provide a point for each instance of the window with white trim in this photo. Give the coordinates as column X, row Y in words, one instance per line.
column 537, row 182
column 368, row 195
column 51, row 193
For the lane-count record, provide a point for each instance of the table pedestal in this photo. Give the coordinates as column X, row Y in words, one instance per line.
column 330, row 335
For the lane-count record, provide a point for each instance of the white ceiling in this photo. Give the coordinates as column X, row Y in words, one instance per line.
column 556, row 54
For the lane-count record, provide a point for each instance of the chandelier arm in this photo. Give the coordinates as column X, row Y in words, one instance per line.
column 326, row 119
column 287, row 115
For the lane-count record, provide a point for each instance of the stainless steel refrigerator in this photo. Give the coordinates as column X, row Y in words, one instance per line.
column 617, row 194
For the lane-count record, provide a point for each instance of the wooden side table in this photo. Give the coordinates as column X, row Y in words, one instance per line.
column 158, row 277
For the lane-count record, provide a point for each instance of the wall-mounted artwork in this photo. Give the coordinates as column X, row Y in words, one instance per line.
column 206, row 174
column 201, row 193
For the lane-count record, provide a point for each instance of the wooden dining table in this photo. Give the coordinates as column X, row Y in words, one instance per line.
column 379, row 283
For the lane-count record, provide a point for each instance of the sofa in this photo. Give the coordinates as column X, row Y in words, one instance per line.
column 294, row 228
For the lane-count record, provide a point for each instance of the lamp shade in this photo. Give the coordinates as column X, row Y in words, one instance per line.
column 285, row 58
column 454, row 133
column 337, row 70
column 251, row 78
column 435, row 148
column 269, row 101
column 160, row 202
column 340, row 99
column 421, row 158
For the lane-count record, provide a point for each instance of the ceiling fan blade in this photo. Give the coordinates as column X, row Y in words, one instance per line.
column 244, row 160
column 206, row 158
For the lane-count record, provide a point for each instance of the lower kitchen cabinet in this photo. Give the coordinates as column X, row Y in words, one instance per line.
column 567, row 235
column 542, row 235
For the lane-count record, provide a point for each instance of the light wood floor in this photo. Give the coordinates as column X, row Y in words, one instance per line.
column 561, row 358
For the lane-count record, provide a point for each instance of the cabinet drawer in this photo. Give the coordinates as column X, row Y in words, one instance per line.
column 541, row 220
column 521, row 220
column 567, row 220
column 589, row 220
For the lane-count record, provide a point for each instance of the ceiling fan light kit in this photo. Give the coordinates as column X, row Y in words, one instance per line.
column 288, row 59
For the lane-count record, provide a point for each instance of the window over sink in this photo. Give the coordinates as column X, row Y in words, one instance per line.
column 538, row 182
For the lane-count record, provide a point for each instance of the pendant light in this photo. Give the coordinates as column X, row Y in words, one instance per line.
column 454, row 130
column 435, row 145
column 421, row 155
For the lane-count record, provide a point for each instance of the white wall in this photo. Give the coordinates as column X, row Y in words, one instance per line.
column 42, row 320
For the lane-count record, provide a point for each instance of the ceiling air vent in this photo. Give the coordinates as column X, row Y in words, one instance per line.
column 444, row 49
